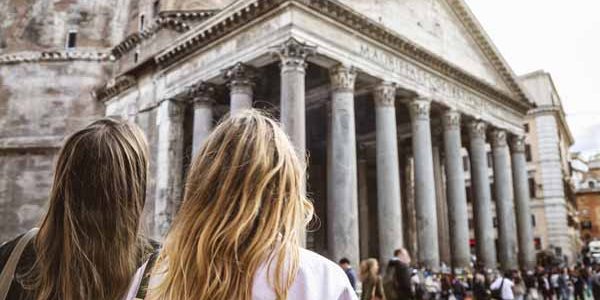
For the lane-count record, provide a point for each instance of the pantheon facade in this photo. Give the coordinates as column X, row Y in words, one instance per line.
column 385, row 99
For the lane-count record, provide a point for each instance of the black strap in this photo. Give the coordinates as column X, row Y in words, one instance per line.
column 143, row 288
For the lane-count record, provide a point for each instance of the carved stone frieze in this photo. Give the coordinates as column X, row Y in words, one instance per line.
column 477, row 129
column 114, row 87
column 293, row 54
column 451, row 120
column 343, row 78
column 517, row 144
column 498, row 138
column 240, row 75
column 54, row 56
column 385, row 94
column 419, row 108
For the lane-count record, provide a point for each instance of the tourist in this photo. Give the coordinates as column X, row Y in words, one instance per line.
column 595, row 283
column 554, row 277
column 372, row 283
column 530, row 282
column 544, row 289
column 480, row 290
column 397, row 282
column 579, row 284
column 237, row 234
column 563, row 285
column 502, row 287
column 519, row 289
column 459, row 287
column 88, row 245
column 347, row 267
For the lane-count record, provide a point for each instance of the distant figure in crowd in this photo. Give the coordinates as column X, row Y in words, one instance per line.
column 397, row 280
column 347, row 267
column 88, row 245
column 237, row 234
column 530, row 282
column 503, row 286
column 519, row 289
column 579, row 284
column 595, row 283
column 372, row 285
column 563, row 285
column 544, row 287
column 480, row 291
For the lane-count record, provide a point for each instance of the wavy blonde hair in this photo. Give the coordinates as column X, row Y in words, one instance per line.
column 244, row 206
column 88, row 245
column 369, row 269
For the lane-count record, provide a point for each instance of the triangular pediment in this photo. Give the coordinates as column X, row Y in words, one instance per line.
column 442, row 29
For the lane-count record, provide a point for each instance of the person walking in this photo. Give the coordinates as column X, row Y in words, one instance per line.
column 89, row 243
column 531, row 291
column 347, row 267
column 372, row 283
column 503, row 287
column 563, row 285
column 543, row 284
column 237, row 233
column 397, row 279
column 579, row 284
column 519, row 289
column 480, row 291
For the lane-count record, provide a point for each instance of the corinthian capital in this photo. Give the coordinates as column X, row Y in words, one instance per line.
column 477, row 129
column 343, row 78
column 517, row 144
column 419, row 108
column 385, row 94
column 498, row 138
column 201, row 92
column 293, row 54
column 451, row 120
column 240, row 74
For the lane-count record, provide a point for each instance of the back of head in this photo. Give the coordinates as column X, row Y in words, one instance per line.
column 368, row 269
column 244, row 205
column 88, row 246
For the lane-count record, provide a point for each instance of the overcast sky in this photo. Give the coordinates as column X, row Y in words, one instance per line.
column 561, row 37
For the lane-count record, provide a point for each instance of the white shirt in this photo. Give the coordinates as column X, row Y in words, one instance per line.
column 507, row 288
column 317, row 278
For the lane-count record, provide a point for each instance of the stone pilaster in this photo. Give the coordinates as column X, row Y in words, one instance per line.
column 522, row 204
column 202, row 97
column 342, row 206
column 169, row 165
column 456, row 193
column 427, row 234
column 482, row 204
column 388, row 173
column 241, row 83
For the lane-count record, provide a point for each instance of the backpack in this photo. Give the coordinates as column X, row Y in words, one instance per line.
column 497, row 293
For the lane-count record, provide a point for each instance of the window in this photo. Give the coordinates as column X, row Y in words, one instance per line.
column 465, row 163
column 72, row 39
column 528, row 152
column 591, row 184
column 469, row 196
column 156, row 8
column 533, row 220
column 586, row 225
column 142, row 23
column 531, row 188
column 526, row 127
column 537, row 242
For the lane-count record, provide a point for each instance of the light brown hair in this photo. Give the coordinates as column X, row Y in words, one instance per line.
column 89, row 246
column 369, row 269
column 244, row 206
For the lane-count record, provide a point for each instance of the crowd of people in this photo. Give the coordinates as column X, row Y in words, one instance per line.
column 399, row 281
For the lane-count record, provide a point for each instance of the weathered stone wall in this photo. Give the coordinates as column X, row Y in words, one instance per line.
column 43, row 101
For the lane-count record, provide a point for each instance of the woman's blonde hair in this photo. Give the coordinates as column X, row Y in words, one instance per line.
column 244, row 206
column 368, row 269
column 88, row 245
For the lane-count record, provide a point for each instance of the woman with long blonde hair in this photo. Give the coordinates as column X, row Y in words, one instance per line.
column 89, row 244
column 237, row 233
column 372, row 283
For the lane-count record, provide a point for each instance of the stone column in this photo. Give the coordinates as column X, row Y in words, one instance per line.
column 363, row 206
column 240, row 80
column 455, row 191
column 427, row 233
column 169, row 165
column 440, row 201
column 202, row 96
column 342, row 208
column 482, row 204
column 388, row 172
column 293, row 56
column 522, row 201
column 507, row 240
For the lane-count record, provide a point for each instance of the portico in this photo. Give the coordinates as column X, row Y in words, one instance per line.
column 349, row 105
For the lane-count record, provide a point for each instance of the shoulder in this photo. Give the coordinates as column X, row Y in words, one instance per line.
column 320, row 278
